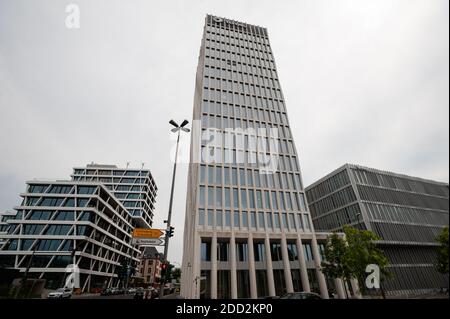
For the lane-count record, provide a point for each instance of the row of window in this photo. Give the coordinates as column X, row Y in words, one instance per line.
column 332, row 202
column 375, row 179
column 406, row 233
column 223, row 251
column 406, row 214
column 263, row 140
column 233, row 75
column 109, row 172
column 124, row 180
column 403, row 198
column 260, row 220
column 254, row 118
column 252, row 65
column 248, row 177
column 328, row 186
column 246, row 112
column 55, row 202
column 235, row 37
column 61, row 189
column 249, row 198
column 245, row 32
column 239, row 48
column 339, row 218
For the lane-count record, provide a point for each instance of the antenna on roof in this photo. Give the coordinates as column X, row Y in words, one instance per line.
column 128, row 164
column 142, row 165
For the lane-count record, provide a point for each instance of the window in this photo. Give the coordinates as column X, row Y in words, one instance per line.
column 210, row 217
column 251, row 198
column 269, row 220
column 253, row 219
column 205, row 251
column 259, row 199
column 227, row 198
column 201, row 217
column 259, row 252
column 227, row 218
column 243, row 198
column 210, row 175
column 235, row 198
column 86, row 190
column 261, row 223
column 210, row 196
column 219, row 222
column 244, row 219
column 285, row 222
column 277, row 220
column 308, row 252
column 218, row 197
column 236, row 220
column 241, row 252
column 222, row 251
column 202, row 174
column 219, row 175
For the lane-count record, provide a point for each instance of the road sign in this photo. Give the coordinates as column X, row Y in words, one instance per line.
column 147, row 233
column 148, row 241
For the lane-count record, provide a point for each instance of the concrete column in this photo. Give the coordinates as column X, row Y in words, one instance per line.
column 355, row 288
column 320, row 276
column 251, row 266
column 302, row 262
column 214, row 267
column 196, row 268
column 233, row 267
column 340, row 288
column 287, row 266
column 270, row 280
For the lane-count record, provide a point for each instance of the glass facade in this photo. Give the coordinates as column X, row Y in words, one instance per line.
column 247, row 171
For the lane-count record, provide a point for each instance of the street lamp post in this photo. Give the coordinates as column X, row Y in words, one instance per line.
column 177, row 129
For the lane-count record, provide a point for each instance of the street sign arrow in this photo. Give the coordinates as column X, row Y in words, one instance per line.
column 147, row 233
column 148, row 241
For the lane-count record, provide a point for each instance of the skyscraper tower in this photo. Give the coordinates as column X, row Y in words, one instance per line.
column 248, row 232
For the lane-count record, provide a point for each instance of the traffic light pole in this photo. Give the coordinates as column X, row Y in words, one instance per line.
column 166, row 244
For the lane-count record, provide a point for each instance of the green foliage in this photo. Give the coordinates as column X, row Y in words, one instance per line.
column 176, row 274
column 348, row 258
column 442, row 251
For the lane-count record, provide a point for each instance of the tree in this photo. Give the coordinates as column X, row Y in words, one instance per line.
column 333, row 265
column 442, row 251
column 363, row 251
column 347, row 258
column 176, row 274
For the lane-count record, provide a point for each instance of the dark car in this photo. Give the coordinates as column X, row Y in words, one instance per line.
column 106, row 292
column 301, row 295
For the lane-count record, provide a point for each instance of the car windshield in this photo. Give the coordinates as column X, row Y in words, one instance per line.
column 60, row 290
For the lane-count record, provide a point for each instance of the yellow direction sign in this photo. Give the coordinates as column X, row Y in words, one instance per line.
column 147, row 233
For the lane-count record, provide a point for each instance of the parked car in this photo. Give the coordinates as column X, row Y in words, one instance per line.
column 131, row 291
column 301, row 295
column 106, row 292
column 60, row 293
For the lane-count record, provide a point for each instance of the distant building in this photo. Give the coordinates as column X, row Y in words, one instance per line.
column 150, row 265
column 69, row 222
column 134, row 188
column 406, row 212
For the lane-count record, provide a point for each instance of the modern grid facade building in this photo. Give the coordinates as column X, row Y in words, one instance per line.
column 406, row 212
column 248, row 232
column 68, row 222
column 135, row 188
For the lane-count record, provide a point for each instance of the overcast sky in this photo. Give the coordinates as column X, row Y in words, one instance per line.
column 365, row 82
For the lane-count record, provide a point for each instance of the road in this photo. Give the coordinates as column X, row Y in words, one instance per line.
column 126, row 296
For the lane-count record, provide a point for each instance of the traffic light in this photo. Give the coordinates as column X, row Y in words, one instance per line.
column 163, row 270
column 169, row 231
